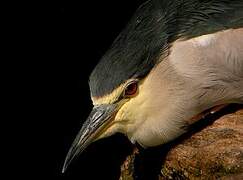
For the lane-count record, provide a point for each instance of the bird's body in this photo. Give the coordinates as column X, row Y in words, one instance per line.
column 174, row 60
column 210, row 74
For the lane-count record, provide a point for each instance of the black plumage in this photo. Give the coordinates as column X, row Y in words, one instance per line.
column 148, row 35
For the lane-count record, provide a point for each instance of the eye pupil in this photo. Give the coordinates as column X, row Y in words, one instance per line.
column 131, row 89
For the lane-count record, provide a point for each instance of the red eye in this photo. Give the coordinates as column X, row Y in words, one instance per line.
column 131, row 89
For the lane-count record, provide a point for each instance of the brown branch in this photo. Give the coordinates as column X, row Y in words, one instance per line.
column 211, row 152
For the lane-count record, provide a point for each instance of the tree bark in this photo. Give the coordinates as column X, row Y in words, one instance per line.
column 213, row 149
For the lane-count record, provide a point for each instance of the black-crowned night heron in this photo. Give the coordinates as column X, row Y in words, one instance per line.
column 174, row 60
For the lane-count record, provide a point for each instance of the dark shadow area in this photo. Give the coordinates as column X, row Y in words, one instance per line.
column 101, row 159
column 148, row 162
column 60, row 42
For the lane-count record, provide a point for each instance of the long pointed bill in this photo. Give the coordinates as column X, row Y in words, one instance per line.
column 98, row 119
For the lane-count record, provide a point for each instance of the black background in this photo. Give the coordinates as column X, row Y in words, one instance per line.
column 50, row 49
column 57, row 44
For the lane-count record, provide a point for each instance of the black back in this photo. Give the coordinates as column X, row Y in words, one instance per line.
column 148, row 35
